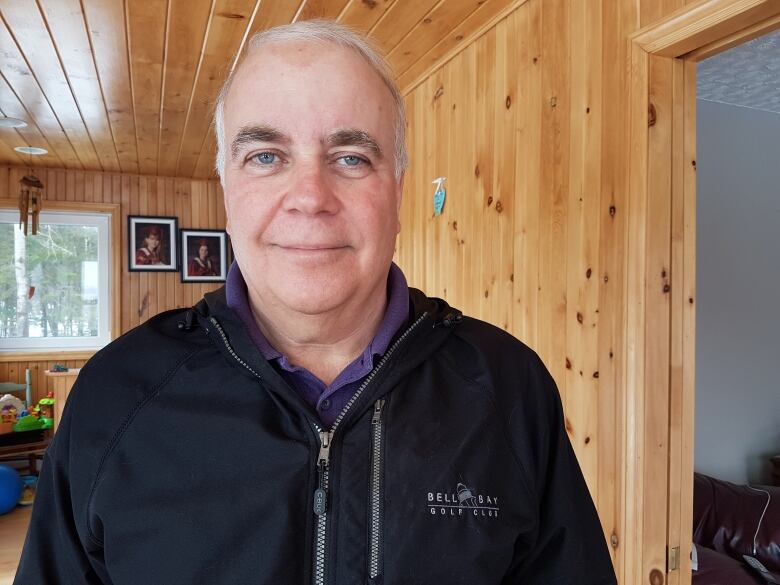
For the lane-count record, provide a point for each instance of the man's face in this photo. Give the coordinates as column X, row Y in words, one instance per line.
column 310, row 190
column 203, row 252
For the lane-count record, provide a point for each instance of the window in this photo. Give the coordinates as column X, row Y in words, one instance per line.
column 55, row 287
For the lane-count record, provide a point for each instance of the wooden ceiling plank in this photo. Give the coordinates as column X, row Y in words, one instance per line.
column 146, row 44
column 106, row 29
column 65, row 21
column 31, row 37
column 204, row 169
column 186, row 36
column 362, row 15
column 8, row 155
column 396, row 23
column 227, row 31
column 429, row 31
column 22, row 85
column 271, row 14
column 462, row 34
column 321, row 9
column 30, row 135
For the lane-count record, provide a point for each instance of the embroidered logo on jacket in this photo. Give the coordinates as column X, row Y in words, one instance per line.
column 461, row 503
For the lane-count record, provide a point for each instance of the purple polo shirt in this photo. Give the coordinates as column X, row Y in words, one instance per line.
column 328, row 401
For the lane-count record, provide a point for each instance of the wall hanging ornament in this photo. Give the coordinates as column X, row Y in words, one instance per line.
column 30, row 202
column 439, row 195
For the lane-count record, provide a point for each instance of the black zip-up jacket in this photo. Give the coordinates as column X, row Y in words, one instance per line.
column 184, row 458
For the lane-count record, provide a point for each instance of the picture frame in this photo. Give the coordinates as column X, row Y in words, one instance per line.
column 152, row 243
column 203, row 254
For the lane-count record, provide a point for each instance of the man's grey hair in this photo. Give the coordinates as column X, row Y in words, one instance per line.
column 318, row 31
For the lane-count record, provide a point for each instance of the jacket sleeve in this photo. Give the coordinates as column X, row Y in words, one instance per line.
column 566, row 544
column 58, row 549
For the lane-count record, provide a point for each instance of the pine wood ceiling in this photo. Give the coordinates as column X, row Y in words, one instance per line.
column 128, row 85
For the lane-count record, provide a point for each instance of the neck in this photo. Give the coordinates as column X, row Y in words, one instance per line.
column 323, row 343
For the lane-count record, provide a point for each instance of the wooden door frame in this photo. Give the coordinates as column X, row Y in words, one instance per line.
column 657, row 498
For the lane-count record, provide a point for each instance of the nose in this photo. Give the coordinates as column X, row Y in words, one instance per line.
column 310, row 192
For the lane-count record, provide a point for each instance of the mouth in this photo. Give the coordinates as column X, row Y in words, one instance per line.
column 311, row 247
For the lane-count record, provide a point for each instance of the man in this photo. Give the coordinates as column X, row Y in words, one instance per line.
column 316, row 421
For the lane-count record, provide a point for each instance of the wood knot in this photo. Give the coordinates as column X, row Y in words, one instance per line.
column 690, row 300
column 459, row 38
column 486, row 294
column 693, row 164
column 489, row 200
column 612, row 210
column 651, row 115
column 667, row 288
column 512, row 277
column 580, row 318
column 370, row 3
column 427, row 20
column 588, row 272
column 553, row 101
column 611, row 355
column 614, row 540
column 230, row 15
column 476, row 171
column 499, row 206
column 587, row 110
column 587, row 440
column 596, row 375
column 439, row 92
column 535, row 60
column 606, row 279
column 455, row 225
column 656, row 577
column 508, row 102
column 568, row 364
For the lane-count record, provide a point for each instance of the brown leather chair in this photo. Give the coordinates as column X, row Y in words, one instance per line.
column 725, row 520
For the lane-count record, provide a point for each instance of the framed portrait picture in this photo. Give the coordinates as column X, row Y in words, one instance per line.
column 152, row 245
column 204, row 255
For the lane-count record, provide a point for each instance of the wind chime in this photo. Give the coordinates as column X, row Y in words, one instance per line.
column 30, row 201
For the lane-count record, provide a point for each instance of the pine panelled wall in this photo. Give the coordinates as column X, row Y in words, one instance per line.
column 196, row 203
column 530, row 126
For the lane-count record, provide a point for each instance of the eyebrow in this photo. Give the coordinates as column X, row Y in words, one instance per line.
column 353, row 137
column 250, row 134
column 346, row 137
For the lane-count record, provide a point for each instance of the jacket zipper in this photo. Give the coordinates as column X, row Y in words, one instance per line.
column 320, row 505
column 377, row 510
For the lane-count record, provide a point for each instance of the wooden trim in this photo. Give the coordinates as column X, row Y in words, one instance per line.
column 464, row 44
column 45, row 356
column 702, row 23
column 660, row 330
column 732, row 40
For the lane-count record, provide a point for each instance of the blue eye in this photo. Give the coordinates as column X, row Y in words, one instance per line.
column 352, row 160
column 265, row 158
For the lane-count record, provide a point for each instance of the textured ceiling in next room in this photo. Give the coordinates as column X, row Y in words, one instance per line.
column 747, row 75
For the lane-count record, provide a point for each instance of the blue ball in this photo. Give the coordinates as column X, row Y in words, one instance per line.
column 10, row 489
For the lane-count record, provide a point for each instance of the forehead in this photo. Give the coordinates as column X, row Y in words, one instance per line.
column 305, row 83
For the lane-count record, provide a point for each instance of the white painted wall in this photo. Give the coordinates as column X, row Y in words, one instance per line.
column 738, row 292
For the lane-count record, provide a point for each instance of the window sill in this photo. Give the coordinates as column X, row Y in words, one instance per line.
column 45, row 355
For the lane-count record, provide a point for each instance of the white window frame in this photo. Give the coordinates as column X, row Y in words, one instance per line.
column 103, row 221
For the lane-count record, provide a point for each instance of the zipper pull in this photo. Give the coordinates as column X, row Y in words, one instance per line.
column 378, row 405
column 321, row 493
